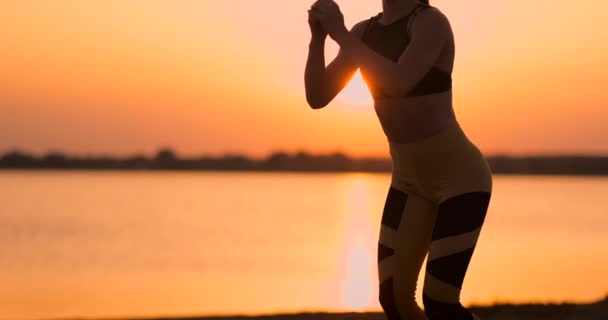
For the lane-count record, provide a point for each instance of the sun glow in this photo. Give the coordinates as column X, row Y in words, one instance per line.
column 356, row 92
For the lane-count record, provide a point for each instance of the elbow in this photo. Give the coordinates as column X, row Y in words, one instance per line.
column 316, row 95
column 316, row 105
column 316, row 102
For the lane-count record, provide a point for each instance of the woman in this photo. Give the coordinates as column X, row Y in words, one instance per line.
column 441, row 184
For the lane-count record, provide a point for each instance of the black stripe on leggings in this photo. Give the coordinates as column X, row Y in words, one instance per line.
column 384, row 252
column 451, row 269
column 393, row 208
column 461, row 214
column 437, row 310
column 387, row 300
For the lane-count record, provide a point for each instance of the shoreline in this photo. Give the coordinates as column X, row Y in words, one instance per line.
column 303, row 172
column 167, row 160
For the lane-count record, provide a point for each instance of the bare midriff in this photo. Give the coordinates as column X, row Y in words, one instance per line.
column 409, row 119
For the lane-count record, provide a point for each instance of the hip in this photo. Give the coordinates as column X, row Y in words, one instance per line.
column 440, row 166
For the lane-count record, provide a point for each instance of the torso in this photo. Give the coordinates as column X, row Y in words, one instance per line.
column 410, row 118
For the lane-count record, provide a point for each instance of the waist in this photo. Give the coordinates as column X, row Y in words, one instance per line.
column 435, row 81
column 441, row 143
column 405, row 120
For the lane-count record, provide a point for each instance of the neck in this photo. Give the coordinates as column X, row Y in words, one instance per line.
column 394, row 9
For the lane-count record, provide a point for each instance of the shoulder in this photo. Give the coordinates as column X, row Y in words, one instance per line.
column 360, row 27
column 431, row 20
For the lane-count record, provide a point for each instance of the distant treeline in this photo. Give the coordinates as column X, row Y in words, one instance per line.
column 300, row 161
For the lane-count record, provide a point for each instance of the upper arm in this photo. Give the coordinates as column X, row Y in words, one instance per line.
column 430, row 32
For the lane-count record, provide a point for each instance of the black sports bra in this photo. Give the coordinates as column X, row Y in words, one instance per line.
column 390, row 41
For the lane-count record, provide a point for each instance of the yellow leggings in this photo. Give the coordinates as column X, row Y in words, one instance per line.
column 436, row 204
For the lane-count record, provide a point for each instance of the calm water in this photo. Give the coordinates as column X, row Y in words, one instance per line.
column 138, row 244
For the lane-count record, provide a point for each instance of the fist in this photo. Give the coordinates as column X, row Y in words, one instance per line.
column 316, row 28
column 328, row 13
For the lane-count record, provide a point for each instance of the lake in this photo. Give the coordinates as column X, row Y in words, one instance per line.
column 112, row 244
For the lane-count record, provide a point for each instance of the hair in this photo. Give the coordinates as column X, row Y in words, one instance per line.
column 425, row 2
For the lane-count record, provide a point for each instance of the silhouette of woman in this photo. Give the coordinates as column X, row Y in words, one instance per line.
column 441, row 184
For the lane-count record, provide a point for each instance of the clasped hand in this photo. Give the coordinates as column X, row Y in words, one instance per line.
column 326, row 13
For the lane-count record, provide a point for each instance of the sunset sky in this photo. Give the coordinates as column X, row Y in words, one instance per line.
column 122, row 77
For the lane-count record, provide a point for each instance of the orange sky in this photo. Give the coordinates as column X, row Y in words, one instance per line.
column 209, row 77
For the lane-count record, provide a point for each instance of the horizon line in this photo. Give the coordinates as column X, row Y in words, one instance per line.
column 226, row 154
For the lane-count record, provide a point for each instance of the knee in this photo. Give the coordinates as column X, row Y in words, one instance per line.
column 437, row 310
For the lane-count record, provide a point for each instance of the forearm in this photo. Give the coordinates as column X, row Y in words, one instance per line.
column 379, row 70
column 314, row 74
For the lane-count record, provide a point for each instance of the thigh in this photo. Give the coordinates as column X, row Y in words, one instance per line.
column 405, row 235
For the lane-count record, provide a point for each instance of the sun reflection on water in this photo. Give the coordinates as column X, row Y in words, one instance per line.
column 357, row 291
column 359, row 271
